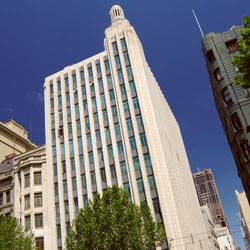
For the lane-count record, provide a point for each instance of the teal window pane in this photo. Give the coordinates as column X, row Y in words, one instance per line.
column 114, row 111
column 92, row 89
column 93, row 178
column 113, row 172
column 107, row 67
column 136, row 163
column 91, row 158
column 123, row 90
column 109, row 80
column 82, row 78
column 65, row 187
column 126, row 58
column 124, row 169
column 112, row 95
column 67, row 99
column 115, row 48
column 110, row 152
column 71, row 148
column 81, row 162
column 125, row 106
column 143, row 139
column 103, row 101
column 83, row 179
column 80, row 147
column 120, row 76
column 98, row 68
column 90, row 72
column 147, row 161
column 117, row 130
column 62, row 151
column 74, row 81
column 59, row 102
column 151, row 181
column 74, row 185
column 136, row 103
column 83, row 90
column 77, row 113
column 59, row 87
column 75, row 96
column 85, row 106
column 129, row 125
column 140, row 186
column 51, row 89
column 72, row 164
column 89, row 140
column 70, row 130
column 98, row 136
column 66, row 80
column 123, row 44
column 117, row 61
column 120, row 148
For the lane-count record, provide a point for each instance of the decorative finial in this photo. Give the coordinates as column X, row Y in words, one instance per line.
column 116, row 13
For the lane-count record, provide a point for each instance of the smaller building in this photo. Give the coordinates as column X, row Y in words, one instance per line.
column 208, row 195
column 224, row 238
column 31, row 195
column 210, row 228
column 6, row 186
column 13, row 139
column 245, row 216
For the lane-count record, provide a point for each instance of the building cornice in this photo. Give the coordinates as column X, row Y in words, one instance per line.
column 27, row 142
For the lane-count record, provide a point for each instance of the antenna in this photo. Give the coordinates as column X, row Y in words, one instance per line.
column 198, row 23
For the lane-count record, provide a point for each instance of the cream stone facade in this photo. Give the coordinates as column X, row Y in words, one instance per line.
column 13, row 139
column 31, row 195
column 210, row 228
column 245, row 215
column 6, row 187
column 224, row 238
column 108, row 123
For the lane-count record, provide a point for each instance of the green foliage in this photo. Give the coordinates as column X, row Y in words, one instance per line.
column 13, row 236
column 242, row 62
column 112, row 222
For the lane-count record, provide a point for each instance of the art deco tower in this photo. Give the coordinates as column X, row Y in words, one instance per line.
column 108, row 123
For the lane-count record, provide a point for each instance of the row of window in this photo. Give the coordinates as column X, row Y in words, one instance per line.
column 37, row 179
column 38, row 221
column 38, row 200
column 231, row 46
column 7, row 198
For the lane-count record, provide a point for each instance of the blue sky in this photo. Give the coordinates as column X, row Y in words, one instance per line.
column 38, row 38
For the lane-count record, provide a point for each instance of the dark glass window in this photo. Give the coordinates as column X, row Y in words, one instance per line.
column 232, row 45
column 210, row 56
column 236, row 121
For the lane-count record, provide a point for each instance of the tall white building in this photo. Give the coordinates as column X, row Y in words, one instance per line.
column 107, row 123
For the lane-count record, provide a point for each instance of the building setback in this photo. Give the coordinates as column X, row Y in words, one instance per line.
column 232, row 101
column 208, row 195
column 245, row 216
column 108, row 123
column 13, row 139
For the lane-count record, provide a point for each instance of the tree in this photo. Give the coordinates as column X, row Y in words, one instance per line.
column 112, row 222
column 13, row 236
column 242, row 61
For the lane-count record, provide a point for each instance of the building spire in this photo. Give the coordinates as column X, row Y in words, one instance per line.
column 116, row 13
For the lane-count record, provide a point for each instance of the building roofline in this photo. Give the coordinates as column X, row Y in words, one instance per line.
column 26, row 141
column 47, row 78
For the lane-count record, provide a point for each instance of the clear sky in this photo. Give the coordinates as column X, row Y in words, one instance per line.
column 38, row 38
